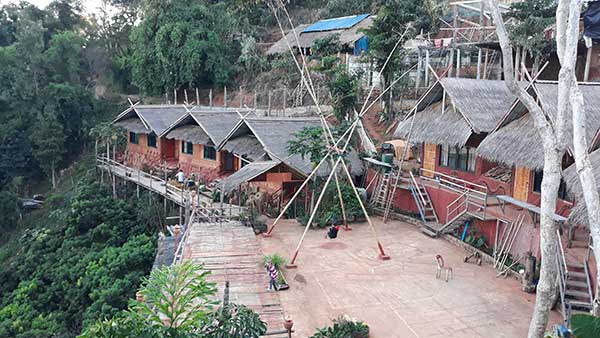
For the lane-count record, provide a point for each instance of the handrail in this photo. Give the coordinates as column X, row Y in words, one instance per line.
column 414, row 181
column 561, row 279
column 562, row 254
column 449, row 212
column 452, row 178
column 589, row 283
column 180, row 246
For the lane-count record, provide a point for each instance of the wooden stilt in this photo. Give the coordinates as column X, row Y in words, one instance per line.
column 225, row 96
column 210, row 95
column 197, row 97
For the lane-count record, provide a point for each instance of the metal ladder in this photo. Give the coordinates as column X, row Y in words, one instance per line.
column 380, row 197
column 423, row 201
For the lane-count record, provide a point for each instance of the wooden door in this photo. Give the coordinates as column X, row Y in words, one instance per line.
column 429, row 156
column 167, row 148
column 522, row 181
column 227, row 161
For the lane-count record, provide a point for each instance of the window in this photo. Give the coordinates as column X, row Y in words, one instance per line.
column 210, row 153
column 458, row 158
column 187, row 148
column 152, row 140
column 563, row 194
column 134, row 138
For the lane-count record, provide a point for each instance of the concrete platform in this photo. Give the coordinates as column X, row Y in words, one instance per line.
column 400, row 297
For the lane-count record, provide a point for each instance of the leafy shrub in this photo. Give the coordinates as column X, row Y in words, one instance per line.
column 277, row 260
column 344, row 327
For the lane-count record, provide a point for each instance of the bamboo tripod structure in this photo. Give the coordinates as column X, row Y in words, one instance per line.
column 331, row 144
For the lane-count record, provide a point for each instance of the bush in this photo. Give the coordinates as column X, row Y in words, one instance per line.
column 344, row 327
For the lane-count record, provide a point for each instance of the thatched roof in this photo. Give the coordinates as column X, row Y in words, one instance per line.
column 189, row 133
column 218, row 124
column 517, row 142
column 247, row 173
column 247, row 146
column 133, row 124
column 346, row 36
column 579, row 212
column 157, row 117
column 472, row 106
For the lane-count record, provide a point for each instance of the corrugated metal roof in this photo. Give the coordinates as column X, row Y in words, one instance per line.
column 335, row 23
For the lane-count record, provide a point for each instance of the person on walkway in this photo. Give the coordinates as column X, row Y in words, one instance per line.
column 192, row 181
column 273, row 274
column 180, row 176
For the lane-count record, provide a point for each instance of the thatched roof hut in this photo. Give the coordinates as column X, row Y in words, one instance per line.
column 307, row 36
column 150, row 118
column 516, row 140
column 453, row 109
column 273, row 135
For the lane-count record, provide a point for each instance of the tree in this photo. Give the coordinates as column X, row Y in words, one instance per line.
column 344, row 86
column 309, row 142
column 570, row 95
column 183, row 43
column 553, row 136
column 9, row 209
column 48, row 144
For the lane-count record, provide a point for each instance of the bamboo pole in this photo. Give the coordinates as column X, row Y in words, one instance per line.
column 197, row 97
column 339, row 190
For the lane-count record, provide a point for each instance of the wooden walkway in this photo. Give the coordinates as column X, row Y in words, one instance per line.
column 232, row 253
column 174, row 194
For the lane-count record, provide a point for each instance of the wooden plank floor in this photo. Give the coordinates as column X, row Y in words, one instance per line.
column 232, row 253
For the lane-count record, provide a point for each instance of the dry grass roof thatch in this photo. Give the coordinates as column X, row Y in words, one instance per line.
column 431, row 126
column 160, row 117
column 217, row 124
column 246, row 174
column 190, row 133
column 133, row 124
column 247, row 146
column 518, row 143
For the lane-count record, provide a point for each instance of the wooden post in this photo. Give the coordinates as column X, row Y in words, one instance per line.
column 167, row 98
column 269, row 104
column 478, row 63
column 197, row 97
column 175, row 96
column 165, row 196
column 588, row 60
column 137, row 192
column 457, row 62
column 255, row 99
column 419, row 67
column 485, row 63
column 284, row 98
column 451, row 63
column 210, row 97
column 427, row 68
column 185, row 96
column 225, row 96
column 241, row 98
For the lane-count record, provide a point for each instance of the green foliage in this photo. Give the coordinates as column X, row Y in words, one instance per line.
column 338, row 8
column 83, row 269
column 344, row 88
column 277, row 260
column 183, row 43
column 393, row 19
column 309, row 142
column 9, row 209
column 531, row 19
column 331, row 209
column 176, row 305
column 344, row 327
column 327, row 46
column 48, row 144
column 585, row 326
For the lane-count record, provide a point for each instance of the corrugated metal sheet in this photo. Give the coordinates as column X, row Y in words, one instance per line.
column 335, row 23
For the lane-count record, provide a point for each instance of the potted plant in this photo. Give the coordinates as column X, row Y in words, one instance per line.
column 344, row 327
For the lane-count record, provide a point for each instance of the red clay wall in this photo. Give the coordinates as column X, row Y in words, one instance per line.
column 140, row 155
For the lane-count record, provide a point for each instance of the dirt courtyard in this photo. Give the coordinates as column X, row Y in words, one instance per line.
column 400, row 297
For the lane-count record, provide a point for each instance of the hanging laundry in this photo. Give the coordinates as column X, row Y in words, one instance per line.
column 446, row 42
column 437, row 43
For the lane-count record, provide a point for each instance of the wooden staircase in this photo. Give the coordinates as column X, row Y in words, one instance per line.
column 380, row 197
column 576, row 295
column 425, row 206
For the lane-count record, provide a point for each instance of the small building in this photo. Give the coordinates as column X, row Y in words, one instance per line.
column 261, row 145
column 348, row 30
column 145, row 124
column 198, row 134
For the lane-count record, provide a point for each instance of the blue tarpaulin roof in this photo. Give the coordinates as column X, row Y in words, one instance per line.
column 336, row 23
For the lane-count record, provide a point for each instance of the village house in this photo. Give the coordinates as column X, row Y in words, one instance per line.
column 198, row 134
column 261, row 146
column 145, row 125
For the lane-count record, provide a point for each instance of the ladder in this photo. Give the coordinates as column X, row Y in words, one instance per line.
column 380, row 198
column 423, row 201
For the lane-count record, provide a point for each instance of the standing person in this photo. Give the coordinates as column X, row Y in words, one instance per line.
column 192, row 181
column 180, row 177
column 273, row 274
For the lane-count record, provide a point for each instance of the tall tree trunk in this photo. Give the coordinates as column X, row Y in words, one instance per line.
column 553, row 137
column 546, row 287
column 53, row 175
